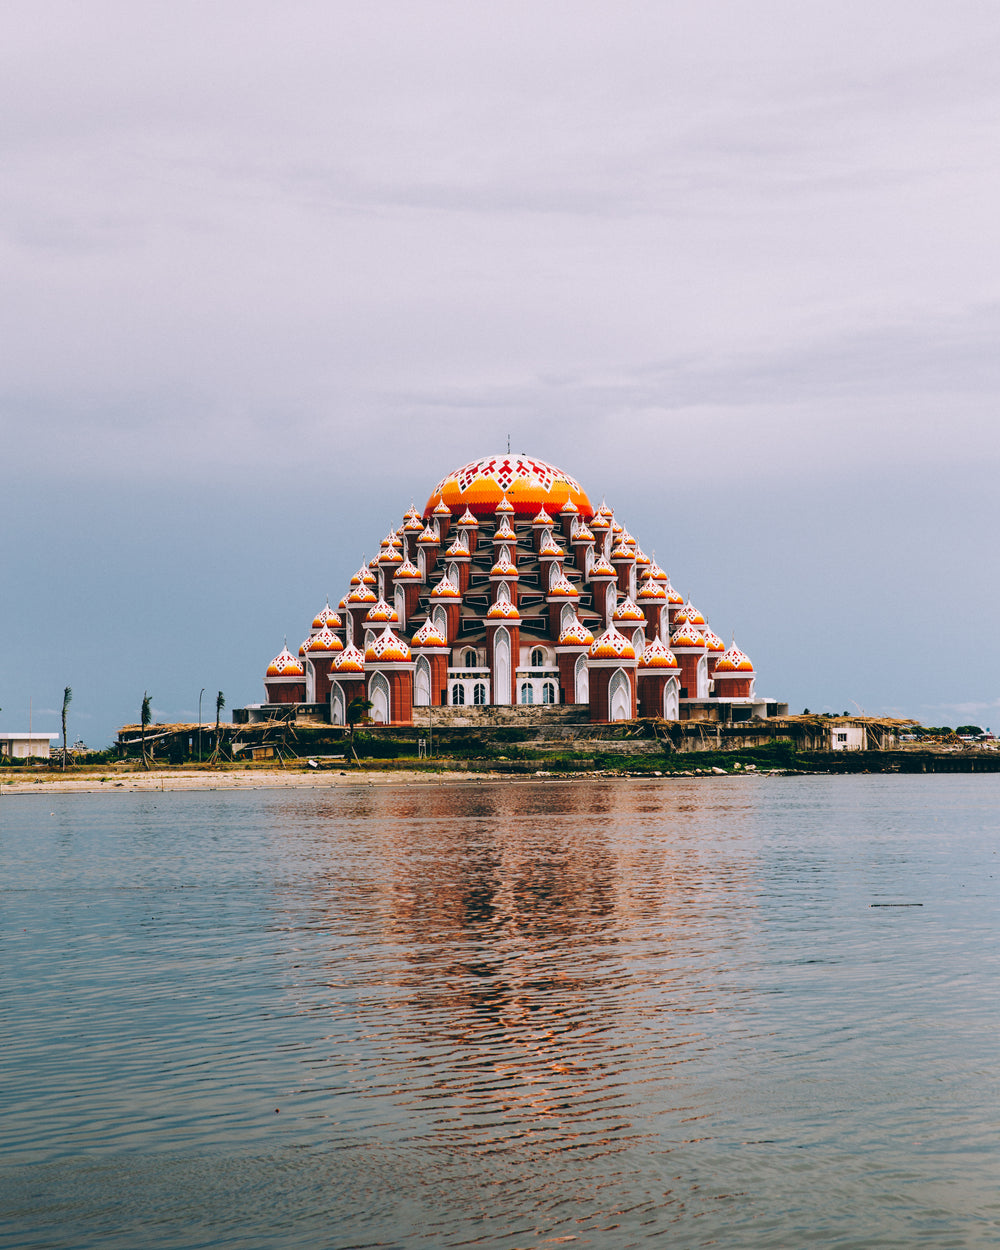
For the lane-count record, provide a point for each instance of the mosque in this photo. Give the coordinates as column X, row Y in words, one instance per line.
column 512, row 588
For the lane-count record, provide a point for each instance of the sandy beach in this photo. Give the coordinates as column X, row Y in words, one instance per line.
column 14, row 783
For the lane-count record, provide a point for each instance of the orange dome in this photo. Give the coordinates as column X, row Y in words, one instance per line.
column 467, row 518
column 689, row 613
column 458, row 550
column 428, row 635
column 285, row 665
column 601, row 568
column 446, row 589
column 363, row 577
column 528, row 484
column 323, row 643
column 326, row 616
column 428, row 537
column 612, row 645
column 687, row 637
column 504, row 532
column 387, row 648
column 734, row 661
column 713, row 641
column 503, row 567
column 658, row 655
column 582, row 534
column 551, row 550
column 576, row 634
column 350, row 660
column 651, row 590
column 628, row 610
column 503, row 610
column 407, row 570
column 563, row 588
column 362, row 594
column 542, row 518
column 381, row 612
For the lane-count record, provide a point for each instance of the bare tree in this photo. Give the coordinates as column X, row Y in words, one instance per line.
column 67, row 700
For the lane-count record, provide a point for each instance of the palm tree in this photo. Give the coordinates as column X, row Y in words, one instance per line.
column 144, row 718
column 67, row 699
column 220, row 703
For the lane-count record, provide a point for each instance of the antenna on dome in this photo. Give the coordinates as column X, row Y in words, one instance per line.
column 508, row 444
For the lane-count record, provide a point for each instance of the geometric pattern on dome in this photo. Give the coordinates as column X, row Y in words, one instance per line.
column 442, row 509
column 503, row 610
column 601, row 568
column 407, row 570
column 600, row 523
column 582, row 535
column 381, row 612
column 713, row 641
column 505, row 532
column 612, row 645
column 446, row 589
column 428, row 635
column 655, row 572
column 505, row 508
column 364, row 576
column 542, row 518
column 569, row 508
column 350, row 660
column 285, row 664
column 322, row 642
column 641, row 557
column 658, row 655
column 628, row 610
column 392, row 540
column 576, row 634
column 326, row 616
column 687, row 636
column 564, row 588
column 459, row 549
column 651, row 590
column 387, row 648
column 504, row 567
column 622, row 551
column 428, row 536
column 689, row 613
column 362, row 594
column 390, row 555
column 467, row 518
column 672, row 595
column 551, row 549
column 302, row 649
column 734, row 661
column 525, row 482
column 413, row 524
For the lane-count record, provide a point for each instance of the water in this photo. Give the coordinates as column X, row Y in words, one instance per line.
column 507, row 1015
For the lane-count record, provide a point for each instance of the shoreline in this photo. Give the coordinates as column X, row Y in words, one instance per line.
column 162, row 780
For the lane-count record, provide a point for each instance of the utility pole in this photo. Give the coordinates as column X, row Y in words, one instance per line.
column 199, row 724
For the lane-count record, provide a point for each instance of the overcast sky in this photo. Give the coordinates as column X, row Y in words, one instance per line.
column 268, row 272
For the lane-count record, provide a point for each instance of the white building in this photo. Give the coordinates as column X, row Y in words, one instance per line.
column 20, row 746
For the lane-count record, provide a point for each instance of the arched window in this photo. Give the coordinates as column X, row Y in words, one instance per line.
column 378, row 693
column 631, row 581
column 337, row 716
column 527, row 692
column 503, row 591
column 470, row 659
column 703, row 677
column 671, row 706
column 638, row 642
column 458, row 694
column 422, row 682
column 479, row 694
column 611, row 602
column 537, row 657
column 453, row 573
column 548, row 693
column 501, row 667
column 566, row 616
column 400, row 606
column 619, row 697
column 441, row 620
column 582, row 680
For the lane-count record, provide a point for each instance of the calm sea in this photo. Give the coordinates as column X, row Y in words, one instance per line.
column 603, row 1014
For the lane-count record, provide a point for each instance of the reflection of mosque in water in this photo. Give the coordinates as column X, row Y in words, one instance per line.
column 531, row 930
column 510, row 587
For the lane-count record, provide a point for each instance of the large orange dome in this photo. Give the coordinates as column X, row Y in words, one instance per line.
column 529, row 484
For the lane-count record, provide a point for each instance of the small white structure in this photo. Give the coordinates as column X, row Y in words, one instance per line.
column 19, row 746
column 847, row 737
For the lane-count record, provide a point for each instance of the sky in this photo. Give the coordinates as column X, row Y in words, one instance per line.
column 269, row 272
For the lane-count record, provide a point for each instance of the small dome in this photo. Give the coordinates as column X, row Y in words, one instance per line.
column 551, row 550
column 324, row 643
column 655, row 572
column 617, row 529
column 350, row 660
column 389, row 555
column 441, row 509
column 505, row 507
column 326, row 616
column 305, row 645
column 503, row 610
column 382, row 613
column 362, row 594
column 363, row 577
column 673, row 597
column 468, row 518
column 446, row 589
column 342, row 605
column 542, row 518
column 387, row 648
column 458, row 550
column 641, row 559
column 428, row 538
column 600, row 522
column 612, row 645
column 621, row 551
column 576, row 634
column 734, row 661
column 687, row 637
column 569, row 508
column 689, row 613
column 505, row 532
column 582, row 534
column 285, row 664
column 658, row 655
column 601, row 568
column 407, row 571
column 392, row 539
column 413, row 524
column 428, row 635
column 605, row 511
column 563, row 588
column 628, row 610
column 504, row 566
column 651, row 591
column 713, row 641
